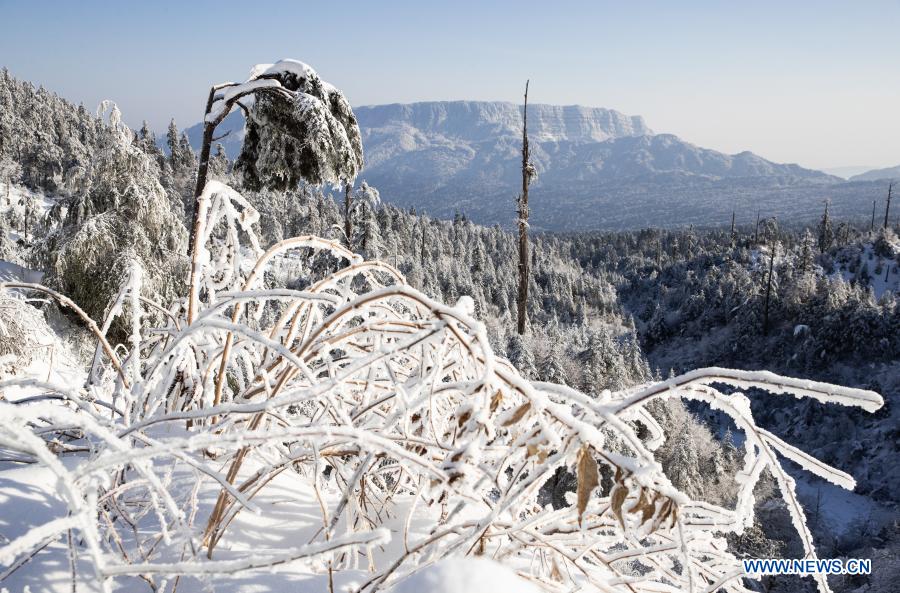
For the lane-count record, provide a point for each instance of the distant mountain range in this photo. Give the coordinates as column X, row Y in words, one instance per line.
column 846, row 172
column 876, row 174
column 597, row 168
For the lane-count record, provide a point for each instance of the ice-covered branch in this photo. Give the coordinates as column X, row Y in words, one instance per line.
column 386, row 410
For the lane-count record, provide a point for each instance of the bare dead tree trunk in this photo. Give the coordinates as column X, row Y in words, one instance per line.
column 872, row 225
column 527, row 172
column 887, row 207
column 756, row 232
column 422, row 247
column 209, row 129
column 348, row 224
column 732, row 228
column 825, row 225
column 769, row 290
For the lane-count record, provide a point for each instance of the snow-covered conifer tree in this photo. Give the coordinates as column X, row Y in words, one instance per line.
column 826, row 232
column 125, row 215
column 172, row 141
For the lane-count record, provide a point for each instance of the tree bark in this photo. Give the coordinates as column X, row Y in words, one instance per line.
column 422, row 247
column 209, row 129
column 522, row 300
column 732, row 228
column 348, row 225
column 768, row 292
column 756, row 232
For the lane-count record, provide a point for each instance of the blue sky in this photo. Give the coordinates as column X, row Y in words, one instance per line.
column 811, row 82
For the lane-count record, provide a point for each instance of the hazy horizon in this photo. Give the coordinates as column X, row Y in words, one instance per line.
column 810, row 83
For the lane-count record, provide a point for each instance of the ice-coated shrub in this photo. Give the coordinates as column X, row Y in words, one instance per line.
column 390, row 412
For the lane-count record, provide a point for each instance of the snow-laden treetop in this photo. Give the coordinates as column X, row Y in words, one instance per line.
column 299, row 127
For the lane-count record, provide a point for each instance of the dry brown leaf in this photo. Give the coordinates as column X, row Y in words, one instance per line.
column 588, row 479
column 661, row 515
column 536, row 451
column 616, row 499
column 674, row 516
column 555, row 572
column 648, row 508
column 518, row 414
column 496, row 401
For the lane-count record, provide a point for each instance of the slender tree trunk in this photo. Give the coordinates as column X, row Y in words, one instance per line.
column 825, row 225
column 732, row 228
column 422, row 247
column 768, row 291
column 756, row 232
column 887, row 207
column 522, row 300
column 209, row 129
column 348, row 225
column 872, row 225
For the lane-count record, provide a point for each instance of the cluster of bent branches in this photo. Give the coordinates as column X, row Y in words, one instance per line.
column 389, row 407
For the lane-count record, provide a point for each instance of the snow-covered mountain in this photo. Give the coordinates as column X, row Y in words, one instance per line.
column 597, row 168
column 847, row 171
column 594, row 141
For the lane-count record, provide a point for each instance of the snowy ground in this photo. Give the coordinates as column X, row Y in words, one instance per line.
column 17, row 199
column 839, row 509
column 10, row 272
column 289, row 517
column 877, row 267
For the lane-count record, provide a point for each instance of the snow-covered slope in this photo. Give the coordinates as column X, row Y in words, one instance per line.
column 390, row 130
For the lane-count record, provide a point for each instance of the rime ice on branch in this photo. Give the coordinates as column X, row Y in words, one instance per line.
column 299, row 127
column 416, row 419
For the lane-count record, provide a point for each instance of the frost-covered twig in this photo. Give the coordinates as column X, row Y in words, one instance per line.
column 402, row 403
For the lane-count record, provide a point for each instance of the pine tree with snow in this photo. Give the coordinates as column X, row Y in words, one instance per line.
column 826, row 232
column 807, row 258
column 10, row 173
column 683, row 466
column 551, row 367
column 172, row 141
column 218, row 165
column 7, row 247
column 728, row 447
column 186, row 154
column 519, row 354
column 368, row 238
column 125, row 216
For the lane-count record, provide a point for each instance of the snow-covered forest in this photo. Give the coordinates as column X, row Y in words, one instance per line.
column 275, row 380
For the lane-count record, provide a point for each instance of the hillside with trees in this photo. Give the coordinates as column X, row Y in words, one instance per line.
column 276, row 366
